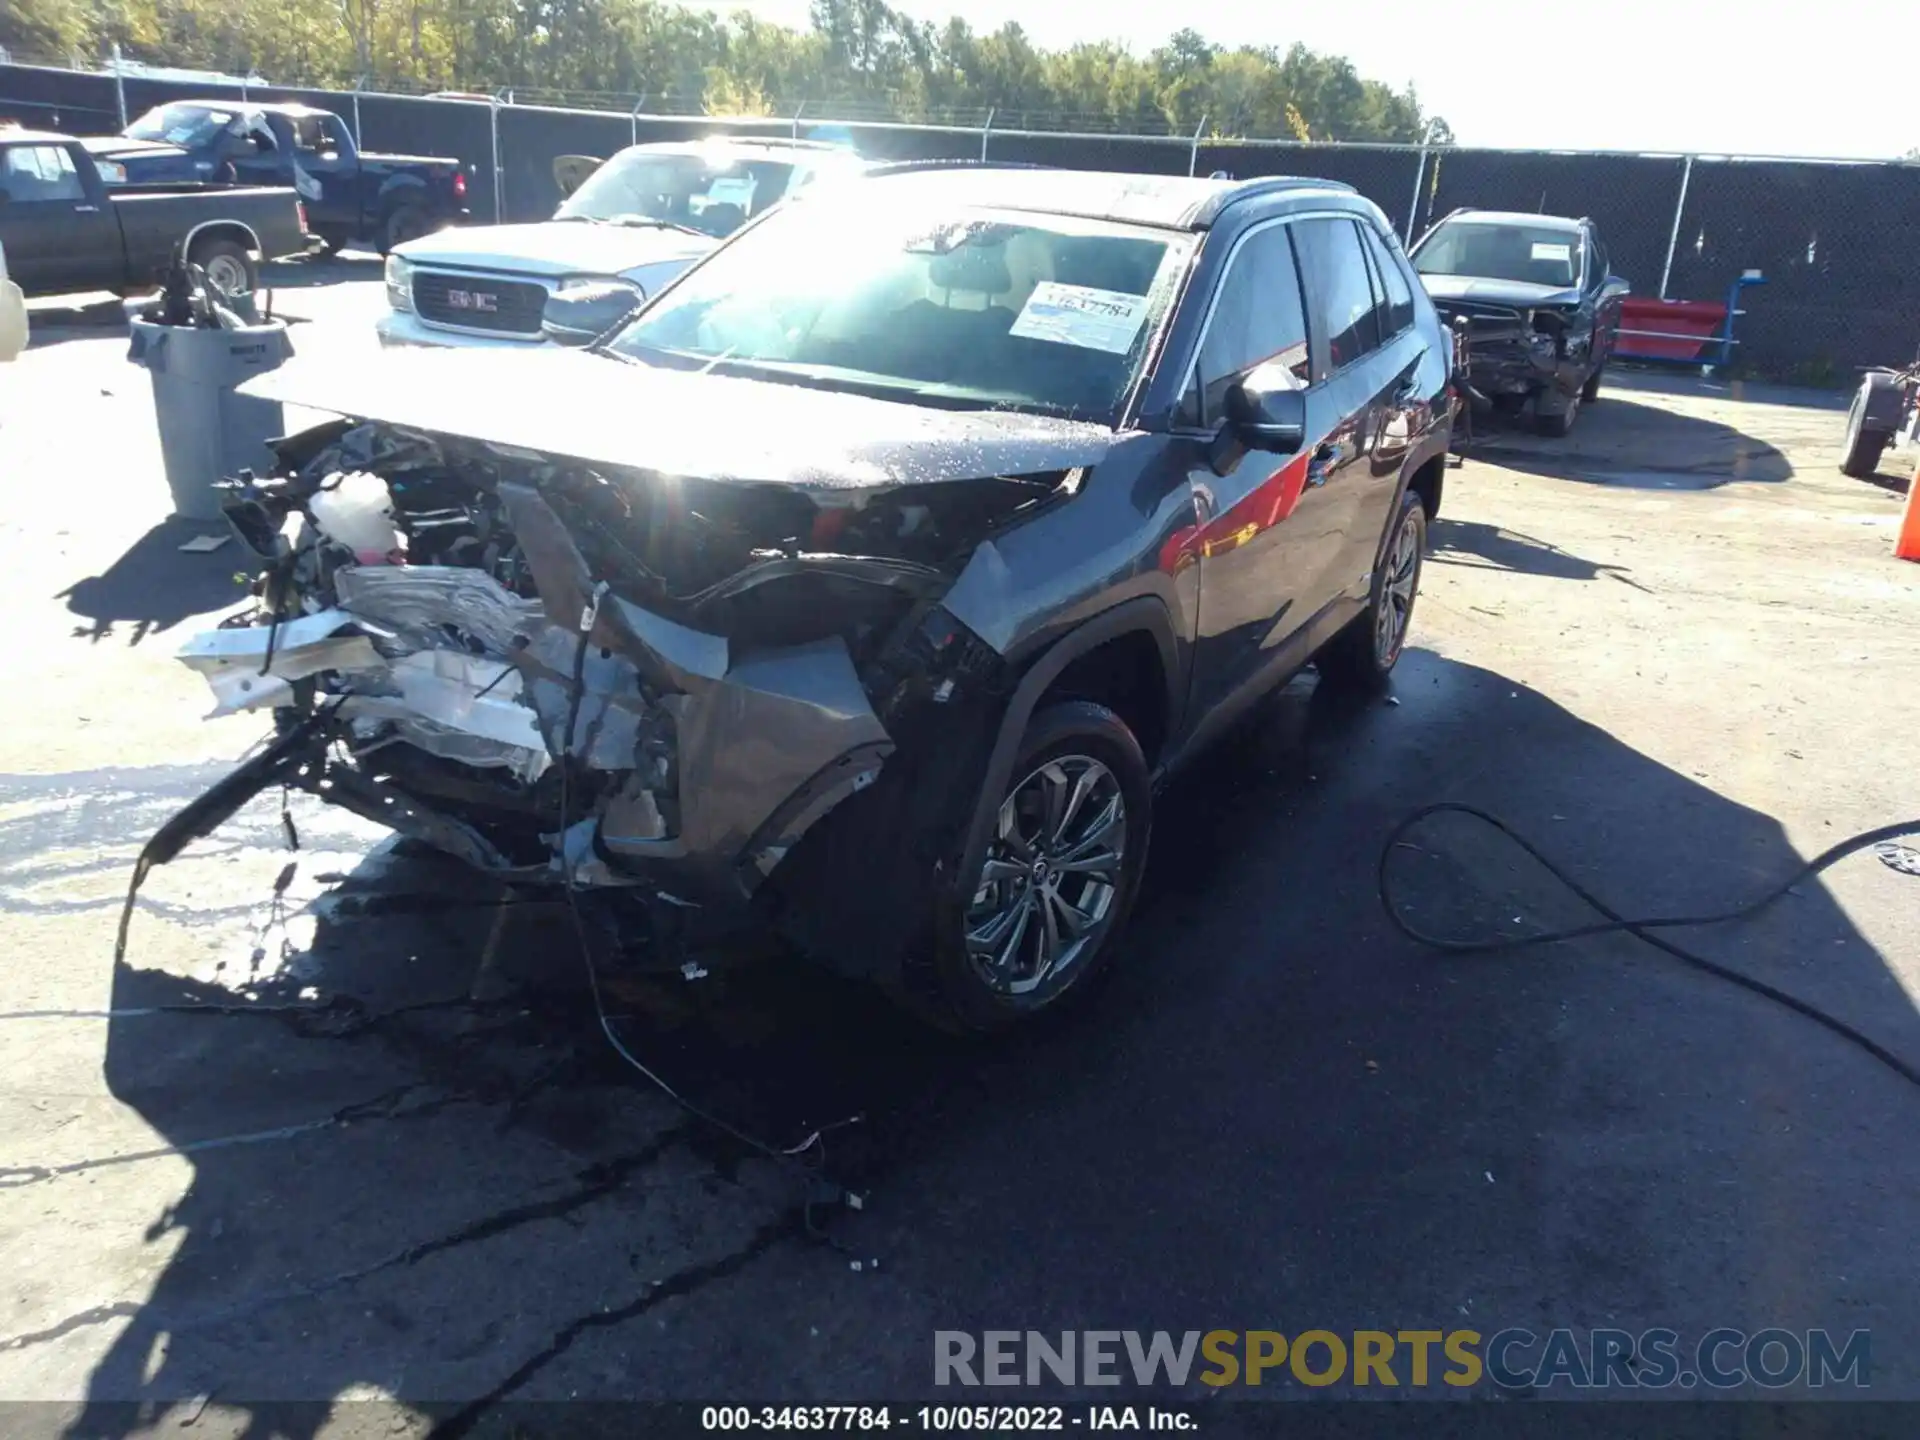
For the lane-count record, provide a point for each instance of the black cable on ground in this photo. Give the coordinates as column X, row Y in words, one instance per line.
column 772, row 1152
column 1642, row 929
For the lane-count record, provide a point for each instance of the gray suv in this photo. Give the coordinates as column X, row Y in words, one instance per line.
column 868, row 581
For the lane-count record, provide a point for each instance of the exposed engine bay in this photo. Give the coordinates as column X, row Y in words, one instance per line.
column 563, row 671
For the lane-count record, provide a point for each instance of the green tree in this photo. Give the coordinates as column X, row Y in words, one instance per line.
column 860, row 56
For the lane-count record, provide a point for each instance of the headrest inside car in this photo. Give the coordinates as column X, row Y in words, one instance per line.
column 975, row 267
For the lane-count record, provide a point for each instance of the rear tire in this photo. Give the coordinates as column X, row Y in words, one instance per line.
column 407, row 222
column 1031, row 930
column 228, row 264
column 1861, row 449
column 1362, row 656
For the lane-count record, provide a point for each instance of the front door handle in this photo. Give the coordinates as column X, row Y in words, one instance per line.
column 1320, row 464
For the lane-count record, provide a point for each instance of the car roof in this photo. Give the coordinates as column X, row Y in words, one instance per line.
column 1174, row 202
column 11, row 133
column 262, row 107
column 1516, row 217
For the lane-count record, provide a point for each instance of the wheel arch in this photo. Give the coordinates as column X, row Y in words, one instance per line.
column 1145, row 617
column 1424, row 476
column 398, row 190
column 223, row 229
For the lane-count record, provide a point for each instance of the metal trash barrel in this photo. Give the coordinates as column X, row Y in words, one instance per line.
column 208, row 433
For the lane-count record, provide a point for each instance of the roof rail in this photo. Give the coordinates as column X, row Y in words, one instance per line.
column 1262, row 184
column 910, row 167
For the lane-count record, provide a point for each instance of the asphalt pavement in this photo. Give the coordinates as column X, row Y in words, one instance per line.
column 1674, row 649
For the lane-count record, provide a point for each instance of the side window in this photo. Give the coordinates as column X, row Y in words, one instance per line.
column 1257, row 317
column 1339, row 288
column 1397, row 313
column 44, row 173
column 309, row 137
column 1596, row 260
column 334, row 139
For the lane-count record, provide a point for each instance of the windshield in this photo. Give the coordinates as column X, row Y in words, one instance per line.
column 1534, row 254
column 188, row 126
column 714, row 194
column 970, row 309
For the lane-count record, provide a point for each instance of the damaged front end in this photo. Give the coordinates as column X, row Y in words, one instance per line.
column 1513, row 350
column 568, row 672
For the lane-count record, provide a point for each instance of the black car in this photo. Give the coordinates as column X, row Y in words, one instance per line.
column 351, row 195
column 1534, row 303
column 867, row 582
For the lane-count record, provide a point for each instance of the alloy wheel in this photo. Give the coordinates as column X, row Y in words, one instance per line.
column 1051, row 880
column 1397, row 594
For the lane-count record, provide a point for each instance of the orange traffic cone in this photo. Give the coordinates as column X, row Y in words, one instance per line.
column 1906, row 545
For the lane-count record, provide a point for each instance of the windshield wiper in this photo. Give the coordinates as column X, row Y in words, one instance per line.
column 650, row 222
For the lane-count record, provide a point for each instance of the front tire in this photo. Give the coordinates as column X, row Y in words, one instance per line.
column 1590, row 391
column 1034, row 927
column 1363, row 655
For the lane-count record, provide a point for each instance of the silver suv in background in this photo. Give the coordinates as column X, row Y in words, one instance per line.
column 626, row 228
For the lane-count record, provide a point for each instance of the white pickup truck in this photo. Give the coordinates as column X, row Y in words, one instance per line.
column 626, row 228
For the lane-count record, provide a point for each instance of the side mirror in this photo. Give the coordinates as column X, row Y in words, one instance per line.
column 1268, row 411
column 581, row 315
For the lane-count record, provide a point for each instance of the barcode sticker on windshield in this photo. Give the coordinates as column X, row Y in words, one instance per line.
column 1552, row 252
column 1080, row 315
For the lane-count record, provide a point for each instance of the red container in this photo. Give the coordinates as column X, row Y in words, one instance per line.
column 1683, row 318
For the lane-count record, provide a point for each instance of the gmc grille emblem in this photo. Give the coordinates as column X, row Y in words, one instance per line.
column 476, row 300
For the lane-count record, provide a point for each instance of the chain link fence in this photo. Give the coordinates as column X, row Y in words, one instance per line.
column 1834, row 241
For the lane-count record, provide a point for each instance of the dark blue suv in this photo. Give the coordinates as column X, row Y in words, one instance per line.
column 867, row 581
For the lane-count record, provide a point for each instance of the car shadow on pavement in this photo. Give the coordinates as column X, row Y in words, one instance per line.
column 155, row 585
column 1275, row 1110
column 1494, row 547
column 1626, row 442
column 82, row 319
column 321, row 271
column 1895, row 479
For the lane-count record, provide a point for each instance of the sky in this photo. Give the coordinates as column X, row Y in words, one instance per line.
column 1712, row 76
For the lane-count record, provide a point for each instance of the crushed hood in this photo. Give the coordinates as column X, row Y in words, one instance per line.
column 1517, row 293
column 573, row 405
column 552, row 248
